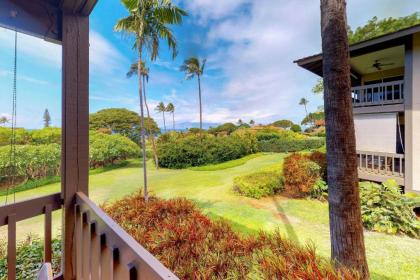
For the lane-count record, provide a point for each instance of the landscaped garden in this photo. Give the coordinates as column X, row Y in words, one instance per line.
column 301, row 220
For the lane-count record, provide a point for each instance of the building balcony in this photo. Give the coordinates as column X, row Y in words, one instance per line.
column 382, row 97
column 379, row 167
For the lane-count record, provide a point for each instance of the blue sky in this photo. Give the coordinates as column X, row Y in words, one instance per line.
column 250, row 46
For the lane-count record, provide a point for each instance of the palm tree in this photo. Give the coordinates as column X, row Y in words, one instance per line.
column 160, row 108
column 170, row 108
column 149, row 21
column 303, row 101
column 347, row 242
column 192, row 67
column 3, row 120
column 144, row 72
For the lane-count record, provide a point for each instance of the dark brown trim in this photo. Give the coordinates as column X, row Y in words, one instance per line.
column 30, row 208
column 75, row 136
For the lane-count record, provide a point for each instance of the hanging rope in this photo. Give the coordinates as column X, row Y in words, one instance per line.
column 12, row 159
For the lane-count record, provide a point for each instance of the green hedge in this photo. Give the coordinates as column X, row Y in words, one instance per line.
column 177, row 150
column 40, row 161
column 32, row 162
column 259, row 184
column 282, row 145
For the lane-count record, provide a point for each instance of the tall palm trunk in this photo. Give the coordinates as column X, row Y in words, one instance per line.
column 173, row 119
column 143, row 130
column 164, row 121
column 151, row 136
column 199, row 100
column 346, row 230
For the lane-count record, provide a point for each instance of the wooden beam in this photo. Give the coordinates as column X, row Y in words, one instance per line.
column 75, row 136
column 36, row 18
column 80, row 7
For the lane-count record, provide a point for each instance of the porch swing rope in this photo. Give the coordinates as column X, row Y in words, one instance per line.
column 12, row 159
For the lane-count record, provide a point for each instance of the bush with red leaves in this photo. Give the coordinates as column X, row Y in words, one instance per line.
column 195, row 247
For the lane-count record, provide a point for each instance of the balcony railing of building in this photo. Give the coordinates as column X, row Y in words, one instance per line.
column 387, row 164
column 378, row 94
column 103, row 250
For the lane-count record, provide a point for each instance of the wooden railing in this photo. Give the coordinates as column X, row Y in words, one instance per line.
column 102, row 250
column 381, row 163
column 378, row 94
column 105, row 251
column 13, row 213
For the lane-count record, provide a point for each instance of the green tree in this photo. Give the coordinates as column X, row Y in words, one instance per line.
column 192, row 67
column 161, row 108
column 318, row 88
column 312, row 118
column 3, row 120
column 346, row 230
column 170, row 108
column 149, row 21
column 283, row 123
column 144, row 72
column 251, row 122
column 375, row 27
column 226, row 128
column 47, row 118
column 121, row 121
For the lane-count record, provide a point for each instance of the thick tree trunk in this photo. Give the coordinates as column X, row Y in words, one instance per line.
column 346, row 230
column 143, row 130
column 199, row 99
column 151, row 135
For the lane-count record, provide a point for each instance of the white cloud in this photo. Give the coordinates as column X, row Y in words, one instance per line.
column 104, row 57
column 206, row 10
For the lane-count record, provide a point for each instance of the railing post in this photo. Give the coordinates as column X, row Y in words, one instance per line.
column 11, row 247
column 47, row 234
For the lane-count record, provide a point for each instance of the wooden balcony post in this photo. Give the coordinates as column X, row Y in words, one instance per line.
column 75, row 125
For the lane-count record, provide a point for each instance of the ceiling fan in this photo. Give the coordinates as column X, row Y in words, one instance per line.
column 379, row 65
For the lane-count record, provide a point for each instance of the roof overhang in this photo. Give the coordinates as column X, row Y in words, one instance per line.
column 314, row 63
column 41, row 18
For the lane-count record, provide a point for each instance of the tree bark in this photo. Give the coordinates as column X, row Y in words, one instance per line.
column 164, row 121
column 173, row 119
column 143, row 129
column 199, row 99
column 151, row 136
column 346, row 229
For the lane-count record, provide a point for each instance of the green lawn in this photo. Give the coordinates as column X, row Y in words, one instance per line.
column 390, row 257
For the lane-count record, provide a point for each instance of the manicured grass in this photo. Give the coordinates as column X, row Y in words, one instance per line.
column 227, row 164
column 390, row 257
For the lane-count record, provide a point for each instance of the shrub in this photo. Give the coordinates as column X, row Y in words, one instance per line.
column 29, row 258
column 177, row 150
column 195, row 247
column 32, row 162
column 319, row 190
column 107, row 149
column 385, row 209
column 22, row 136
column 47, row 135
column 300, row 175
column 282, row 145
column 259, row 184
column 296, row 128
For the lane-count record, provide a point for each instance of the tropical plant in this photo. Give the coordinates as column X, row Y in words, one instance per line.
column 251, row 122
column 161, row 108
column 304, row 102
column 223, row 129
column 47, row 118
column 385, row 209
column 192, row 67
column 149, row 21
column 347, row 246
column 144, row 72
column 170, row 108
